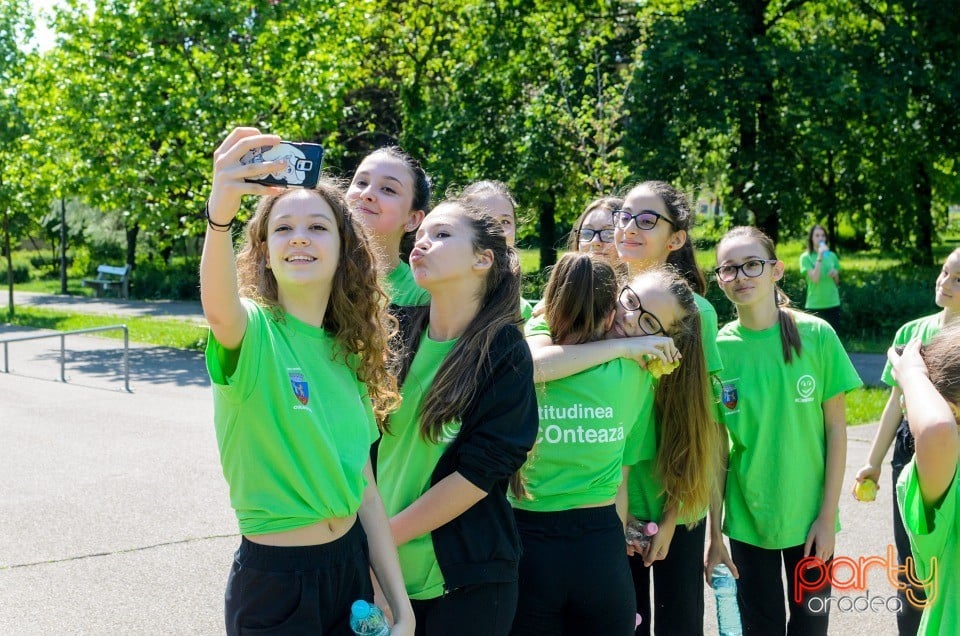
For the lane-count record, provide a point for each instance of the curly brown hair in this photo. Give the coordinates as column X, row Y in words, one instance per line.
column 356, row 313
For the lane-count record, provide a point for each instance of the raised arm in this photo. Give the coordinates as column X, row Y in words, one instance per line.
column 218, row 271
column 932, row 423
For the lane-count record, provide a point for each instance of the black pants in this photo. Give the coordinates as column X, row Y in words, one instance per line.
column 299, row 590
column 760, row 592
column 677, row 585
column 485, row 609
column 574, row 576
column 830, row 314
column 908, row 618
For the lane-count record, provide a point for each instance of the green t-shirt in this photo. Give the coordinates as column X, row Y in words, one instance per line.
column 403, row 289
column 924, row 328
column 708, row 330
column 405, row 463
column 294, row 426
column 643, row 485
column 824, row 293
column 591, row 425
column 774, row 414
column 526, row 309
column 935, row 542
column 536, row 326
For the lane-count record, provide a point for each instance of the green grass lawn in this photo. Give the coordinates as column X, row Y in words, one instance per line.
column 865, row 405
column 52, row 286
column 156, row 331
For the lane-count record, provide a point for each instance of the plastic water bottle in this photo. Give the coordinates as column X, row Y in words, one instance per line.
column 641, row 532
column 725, row 593
column 366, row 619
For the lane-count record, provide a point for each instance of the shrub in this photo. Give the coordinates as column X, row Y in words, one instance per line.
column 178, row 280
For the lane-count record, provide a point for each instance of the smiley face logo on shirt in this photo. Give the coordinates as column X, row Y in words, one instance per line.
column 806, row 386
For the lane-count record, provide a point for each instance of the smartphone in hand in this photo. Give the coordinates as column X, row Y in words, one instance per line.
column 302, row 164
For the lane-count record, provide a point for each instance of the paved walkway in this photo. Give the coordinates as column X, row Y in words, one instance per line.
column 115, row 517
column 869, row 365
column 174, row 309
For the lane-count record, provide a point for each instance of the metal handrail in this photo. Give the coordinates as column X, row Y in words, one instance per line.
column 63, row 356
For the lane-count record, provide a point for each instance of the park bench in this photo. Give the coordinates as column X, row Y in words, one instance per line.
column 109, row 277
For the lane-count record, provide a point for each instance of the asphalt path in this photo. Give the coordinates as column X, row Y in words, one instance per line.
column 115, row 517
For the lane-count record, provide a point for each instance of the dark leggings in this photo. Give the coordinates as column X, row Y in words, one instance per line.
column 830, row 314
column 760, row 592
column 908, row 618
column 298, row 590
column 485, row 609
column 574, row 576
column 677, row 585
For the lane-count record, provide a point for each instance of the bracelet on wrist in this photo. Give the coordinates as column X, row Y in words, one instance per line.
column 219, row 227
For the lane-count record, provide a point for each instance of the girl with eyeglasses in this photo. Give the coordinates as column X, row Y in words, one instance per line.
column 894, row 428
column 653, row 228
column 593, row 426
column 593, row 230
column 927, row 489
column 784, row 384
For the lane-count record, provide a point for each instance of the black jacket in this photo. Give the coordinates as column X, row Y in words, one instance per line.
column 497, row 431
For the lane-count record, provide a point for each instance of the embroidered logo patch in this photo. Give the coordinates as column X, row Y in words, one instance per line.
column 300, row 387
column 729, row 396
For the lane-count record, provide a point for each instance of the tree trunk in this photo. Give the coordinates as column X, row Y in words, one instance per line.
column 766, row 206
column 548, row 230
column 132, row 232
column 9, row 252
column 923, row 191
column 63, row 246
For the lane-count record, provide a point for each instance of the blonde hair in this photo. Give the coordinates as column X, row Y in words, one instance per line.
column 356, row 314
column 688, row 451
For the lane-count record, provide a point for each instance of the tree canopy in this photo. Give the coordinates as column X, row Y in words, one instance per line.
column 788, row 112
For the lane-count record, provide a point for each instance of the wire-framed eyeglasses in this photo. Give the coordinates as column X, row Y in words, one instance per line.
column 646, row 321
column 750, row 269
column 644, row 219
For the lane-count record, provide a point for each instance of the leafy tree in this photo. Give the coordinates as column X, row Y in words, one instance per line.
column 16, row 24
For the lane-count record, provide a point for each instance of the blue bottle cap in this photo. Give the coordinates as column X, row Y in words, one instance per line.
column 361, row 609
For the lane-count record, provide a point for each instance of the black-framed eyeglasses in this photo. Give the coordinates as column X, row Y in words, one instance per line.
column 587, row 235
column 645, row 219
column 648, row 323
column 750, row 269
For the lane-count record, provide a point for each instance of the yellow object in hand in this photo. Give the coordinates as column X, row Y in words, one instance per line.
column 658, row 367
column 865, row 490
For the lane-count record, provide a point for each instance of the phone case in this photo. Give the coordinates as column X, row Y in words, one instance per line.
column 302, row 168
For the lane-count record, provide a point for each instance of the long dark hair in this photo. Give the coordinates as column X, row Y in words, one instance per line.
column 789, row 336
column 579, row 297
column 811, row 248
column 422, row 189
column 454, row 387
column 684, row 259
